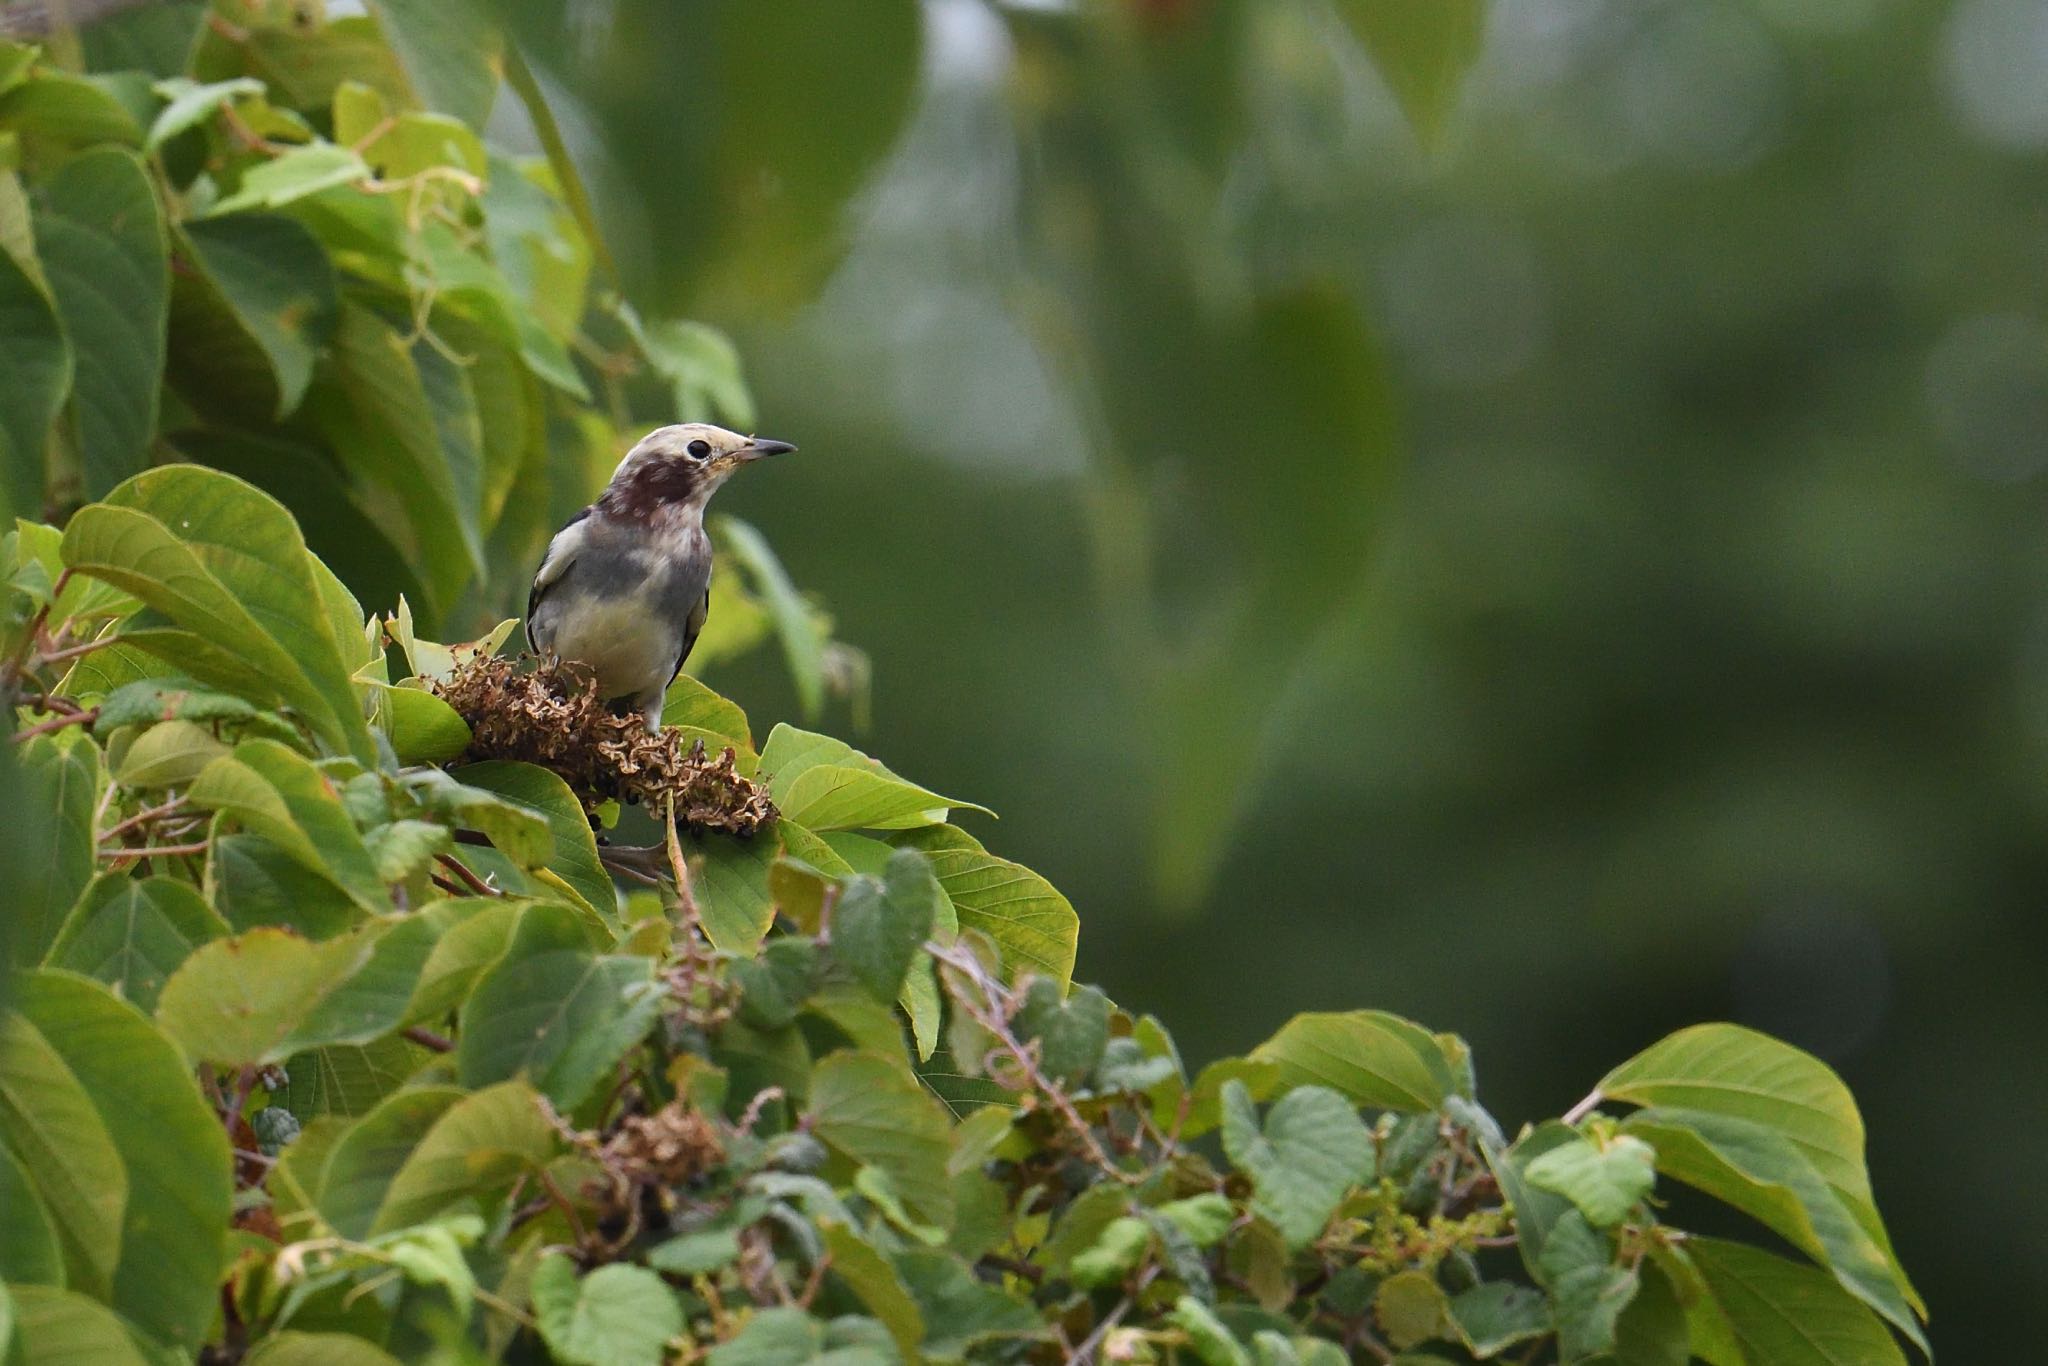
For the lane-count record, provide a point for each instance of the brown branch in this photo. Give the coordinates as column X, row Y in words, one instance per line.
column 468, row 876
column 428, row 1039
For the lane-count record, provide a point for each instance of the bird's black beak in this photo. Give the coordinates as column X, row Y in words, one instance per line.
column 761, row 446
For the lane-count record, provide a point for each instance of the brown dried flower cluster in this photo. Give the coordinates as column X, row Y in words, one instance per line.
column 671, row 1147
column 542, row 716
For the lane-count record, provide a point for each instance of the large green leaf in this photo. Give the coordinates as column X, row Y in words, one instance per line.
column 1784, row 1314
column 1034, row 926
column 872, row 1111
column 254, row 883
column 1762, row 1174
column 279, row 794
column 731, row 882
column 29, row 1251
column 174, row 1223
column 104, row 248
column 69, row 110
column 483, row 1144
column 61, row 779
column 1727, row 1069
column 37, row 362
column 55, row 1133
column 553, row 1011
column 248, row 322
column 522, row 831
column 574, row 857
column 1311, row 1149
column 132, row 934
column 262, row 996
column 1373, row 1057
column 368, row 1155
column 225, row 562
column 618, row 1315
column 825, row 784
column 1422, row 49
column 65, row 1328
column 876, row 1283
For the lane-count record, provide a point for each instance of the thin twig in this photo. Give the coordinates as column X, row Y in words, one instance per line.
column 468, row 876
column 58, row 722
column 428, row 1039
column 1584, row 1107
column 142, row 817
column 159, row 851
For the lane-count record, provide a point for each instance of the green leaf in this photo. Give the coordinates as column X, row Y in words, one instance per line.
column 278, row 794
column 248, row 325
column 190, row 104
column 477, row 1149
column 1726, row 1069
column 170, row 1143
column 132, row 934
column 477, row 937
column 871, row 1111
column 731, row 881
column 1498, row 1314
column 1410, row 1309
column 691, row 706
column 451, row 51
column 618, row 1315
column 876, row 1284
column 697, row 1253
column 62, row 779
column 522, row 831
column 543, row 793
column 1422, row 49
column 52, row 1325
column 147, row 701
column 773, row 1337
column 879, row 927
column 101, row 236
column 367, row 1156
column 1652, row 1330
column 54, row 1131
column 959, row 1310
column 1310, row 1151
column 70, row 110
column 262, row 996
column 1035, row 927
column 1536, row 1210
column 1605, row 1179
column 823, row 783
column 1375, row 1058
column 37, row 362
column 346, row 1080
column 1203, row 1218
column 294, row 175
column 1071, row 1034
column 225, row 562
column 554, row 1012
column 291, row 1348
column 29, row 1251
column 255, row 883
column 1587, row 1291
column 168, row 754
column 1212, row 1342
column 803, row 643
column 1786, row 1314
column 1764, row 1175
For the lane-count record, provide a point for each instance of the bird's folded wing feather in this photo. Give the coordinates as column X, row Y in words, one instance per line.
column 561, row 554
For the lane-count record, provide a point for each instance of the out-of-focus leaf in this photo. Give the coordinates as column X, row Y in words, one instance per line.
column 294, row 175
column 248, row 323
column 62, row 781
column 56, row 1134
column 168, row 754
column 37, row 362
column 450, row 51
column 366, row 1156
column 1605, row 1180
column 133, row 933
column 960, row 1310
column 617, row 1315
column 803, row 644
column 554, row 1012
column 1071, row 1033
column 226, row 563
column 1422, row 49
column 1786, row 1314
column 1587, row 1290
column 879, row 926
column 869, row 1110
column 105, row 251
column 281, row 796
column 71, row 110
column 253, row 882
column 64, row 1326
column 189, row 104
column 1373, row 1057
column 29, row 1254
column 292, row 1348
column 479, row 1147
column 170, row 1143
column 1310, row 1150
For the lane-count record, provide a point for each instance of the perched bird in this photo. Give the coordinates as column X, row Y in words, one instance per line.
column 625, row 585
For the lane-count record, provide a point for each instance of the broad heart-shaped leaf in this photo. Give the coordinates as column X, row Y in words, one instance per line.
column 879, row 926
column 476, row 1149
column 542, row 792
column 1375, row 1058
column 1782, row 1314
column 731, row 882
column 1311, row 1149
column 1762, row 1174
column 55, row 1133
column 1498, row 1314
column 131, row 934
column 873, row 1113
column 225, row 562
column 553, row 1011
column 262, row 996
column 60, row 777
column 63, row 1326
column 1035, row 927
column 104, row 249
column 1071, row 1034
column 450, row 52
column 618, row 1315
column 823, row 783
column 37, row 362
column 279, row 794
column 1587, row 1290
column 171, row 1144
column 1422, row 49
column 1605, row 1180
column 1727, row 1069
column 248, row 321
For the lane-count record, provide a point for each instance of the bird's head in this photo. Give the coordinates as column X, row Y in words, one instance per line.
column 682, row 465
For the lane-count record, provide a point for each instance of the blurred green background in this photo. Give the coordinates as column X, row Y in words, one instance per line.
column 1561, row 579
column 1557, row 553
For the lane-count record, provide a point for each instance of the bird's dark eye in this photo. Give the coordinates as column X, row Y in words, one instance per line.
column 698, row 449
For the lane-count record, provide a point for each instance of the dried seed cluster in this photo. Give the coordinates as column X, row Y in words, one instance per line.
column 542, row 716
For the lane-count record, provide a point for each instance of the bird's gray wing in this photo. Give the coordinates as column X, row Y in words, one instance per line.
column 692, row 628
column 561, row 555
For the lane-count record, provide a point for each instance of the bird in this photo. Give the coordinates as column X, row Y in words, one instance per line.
column 624, row 588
